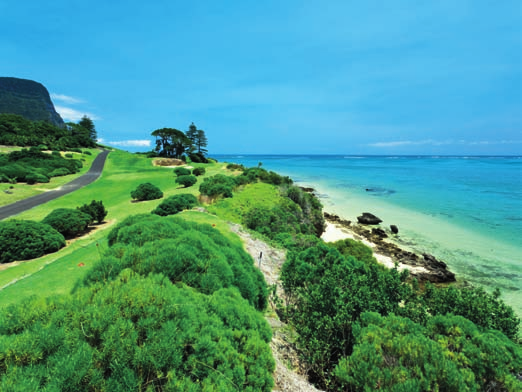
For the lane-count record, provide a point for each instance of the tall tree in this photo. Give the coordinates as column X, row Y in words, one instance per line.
column 201, row 142
column 192, row 133
column 171, row 142
column 88, row 124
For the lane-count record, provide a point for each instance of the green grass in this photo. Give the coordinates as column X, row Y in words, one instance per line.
column 58, row 272
column 22, row 191
column 259, row 195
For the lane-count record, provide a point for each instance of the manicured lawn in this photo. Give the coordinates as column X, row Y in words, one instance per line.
column 58, row 272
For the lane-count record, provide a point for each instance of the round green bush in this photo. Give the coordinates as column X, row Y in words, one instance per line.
column 198, row 171
column 96, row 210
column 67, row 221
column 174, row 204
column 146, row 191
column 87, row 152
column 23, row 240
column 181, row 171
column 186, row 181
column 218, row 185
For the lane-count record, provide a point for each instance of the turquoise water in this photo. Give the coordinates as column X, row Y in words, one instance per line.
column 466, row 211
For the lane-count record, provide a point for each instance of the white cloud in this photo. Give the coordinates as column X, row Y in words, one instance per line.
column 66, row 99
column 127, row 143
column 69, row 114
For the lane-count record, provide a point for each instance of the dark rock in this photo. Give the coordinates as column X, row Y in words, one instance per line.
column 380, row 233
column 336, row 219
column 368, row 219
column 308, row 190
column 394, row 229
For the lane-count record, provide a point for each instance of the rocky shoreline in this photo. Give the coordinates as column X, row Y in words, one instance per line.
column 424, row 267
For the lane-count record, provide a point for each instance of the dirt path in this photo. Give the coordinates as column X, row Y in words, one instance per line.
column 31, row 202
column 287, row 375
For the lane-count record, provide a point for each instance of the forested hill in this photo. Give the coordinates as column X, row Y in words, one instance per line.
column 29, row 99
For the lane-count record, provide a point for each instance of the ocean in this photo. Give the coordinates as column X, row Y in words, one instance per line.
column 466, row 211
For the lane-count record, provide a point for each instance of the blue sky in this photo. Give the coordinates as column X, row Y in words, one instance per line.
column 323, row 77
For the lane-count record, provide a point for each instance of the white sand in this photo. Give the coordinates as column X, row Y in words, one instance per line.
column 334, row 233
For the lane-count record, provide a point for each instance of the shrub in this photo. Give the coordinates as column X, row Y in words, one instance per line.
column 61, row 171
column 23, row 240
column 174, row 204
column 198, row 157
column 195, row 254
column 181, row 171
column 357, row 249
column 67, row 221
column 68, row 155
column 95, row 209
column 218, row 185
column 136, row 333
column 87, row 152
column 33, row 178
column 186, row 181
column 146, row 191
column 198, row 171
column 235, row 166
column 450, row 354
column 56, row 153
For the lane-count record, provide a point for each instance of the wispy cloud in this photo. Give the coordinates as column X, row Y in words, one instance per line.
column 70, row 114
column 127, row 143
column 66, row 99
column 431, row 142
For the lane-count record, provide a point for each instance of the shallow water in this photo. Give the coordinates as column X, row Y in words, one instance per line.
column 466, row 211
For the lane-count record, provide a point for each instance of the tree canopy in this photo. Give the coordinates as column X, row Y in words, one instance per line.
column 171, row 142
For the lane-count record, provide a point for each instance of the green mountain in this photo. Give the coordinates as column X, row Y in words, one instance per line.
column 29, row 99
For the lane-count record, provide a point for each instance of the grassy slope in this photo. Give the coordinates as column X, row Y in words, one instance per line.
column 58, row 272
column 23, row 191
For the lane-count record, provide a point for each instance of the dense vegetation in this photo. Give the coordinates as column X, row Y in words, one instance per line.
column 68, row 221
column 33, row 166
column 173, row 143
column 413, row 340
column 16, row 130
column 23, row 240
column 29, row 99
column 96, row 210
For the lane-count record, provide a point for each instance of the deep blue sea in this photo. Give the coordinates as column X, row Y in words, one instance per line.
column 467, row 211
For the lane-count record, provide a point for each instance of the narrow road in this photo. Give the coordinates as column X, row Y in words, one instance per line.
column 26, row 204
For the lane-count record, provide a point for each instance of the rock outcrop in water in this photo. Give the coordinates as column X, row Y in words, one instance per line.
column 29, row 99
column 368, row 219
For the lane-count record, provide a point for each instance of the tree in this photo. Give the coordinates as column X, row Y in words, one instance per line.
column 201, row 142
column 192, row 133
column 171, row 142
column 88, row 124
column 96, row 210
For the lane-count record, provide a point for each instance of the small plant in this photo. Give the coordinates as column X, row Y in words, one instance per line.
column 87, row 152
column 198, row 171
column 181, row 171
column 175, row 204
column 146, row 191
column 186, row 181
column 68, row 155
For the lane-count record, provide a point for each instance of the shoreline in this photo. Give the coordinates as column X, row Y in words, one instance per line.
column 424, row 267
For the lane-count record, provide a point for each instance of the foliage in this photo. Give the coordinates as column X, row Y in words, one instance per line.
column 136, row 333
column 198, row 171
column 17, row 130
column 357, row 249
column 218, row 185
column 181, row 171
column 174, row 204
column 68, row 221
column 199, row 141
column 96, row 210
column 146, row 191
column 235, row 166
column 171, row 143
column 35, row 166
column 195, row 254
column 327, row 293
column 449, row 354
column 255, row 174
column 485, row 310
column 88, row 124
column 311, row 207
column 23, row 240
column 186, row 181
column 198, row 157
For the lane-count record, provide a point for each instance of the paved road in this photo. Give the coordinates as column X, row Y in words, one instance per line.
column 26, row 204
